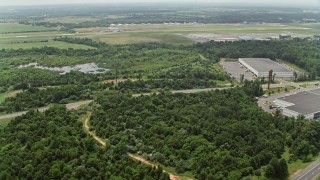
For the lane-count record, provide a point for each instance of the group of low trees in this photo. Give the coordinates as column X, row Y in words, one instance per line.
column 84, row 41
column 53, row 145
column 215, row 135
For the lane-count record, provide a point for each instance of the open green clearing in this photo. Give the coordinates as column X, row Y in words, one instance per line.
column 16, row 28
column 138, row 37
column 279, row 89
column 2, row 97
column 5, row 122
column 69, row 19
column 171, row 34
column 296, row 165
column 56, row 44
column 175, row 34
column 304, row 29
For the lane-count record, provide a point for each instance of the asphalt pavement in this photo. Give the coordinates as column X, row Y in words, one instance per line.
column 310, row 173
column 185, row 91
column 262, row 101
column 68, row 106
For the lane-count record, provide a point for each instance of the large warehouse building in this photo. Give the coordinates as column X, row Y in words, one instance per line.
column 303, row 103
column 260, row 67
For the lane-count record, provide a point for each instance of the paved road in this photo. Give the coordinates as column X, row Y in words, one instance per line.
column 68, row 106
column 186, row 91
column 310, row 173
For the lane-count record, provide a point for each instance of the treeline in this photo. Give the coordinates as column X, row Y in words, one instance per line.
column 28, row 31
column 69, row 26
column 84, row 41
column 107, row 15
column 53, row 145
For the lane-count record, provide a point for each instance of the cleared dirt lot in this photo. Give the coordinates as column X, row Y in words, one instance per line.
column 234, row 69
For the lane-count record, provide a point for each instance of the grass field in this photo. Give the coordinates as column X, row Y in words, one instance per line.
column 56, row 44
column 279, row 89
column 303, row 29
column 2, row 97
column 5, row 122
column 297, row 165
column 16, row 28
column 69, row 19
column 172, row 34
column 8, row 94
column 138, row 37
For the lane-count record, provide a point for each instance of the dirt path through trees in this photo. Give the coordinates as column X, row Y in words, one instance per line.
column 93, row 134
column 135, row 157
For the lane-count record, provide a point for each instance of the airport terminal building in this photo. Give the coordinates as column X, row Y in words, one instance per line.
column 260, row 67
column 303, row 103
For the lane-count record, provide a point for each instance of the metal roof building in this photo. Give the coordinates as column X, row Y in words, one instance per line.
column 260, row 67
column 306, row 103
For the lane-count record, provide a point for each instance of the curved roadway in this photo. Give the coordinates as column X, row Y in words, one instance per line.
column 68, row 106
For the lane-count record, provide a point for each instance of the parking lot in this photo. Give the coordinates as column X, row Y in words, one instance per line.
column 234, row 69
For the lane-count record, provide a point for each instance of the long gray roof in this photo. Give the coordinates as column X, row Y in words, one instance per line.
column 264, row 65
column 305, row 102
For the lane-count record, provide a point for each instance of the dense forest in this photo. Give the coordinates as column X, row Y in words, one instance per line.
column 214, row 135
column 53, row 145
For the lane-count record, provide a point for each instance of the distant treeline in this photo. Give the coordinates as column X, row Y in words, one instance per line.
column 68, row 26
column 84, row 41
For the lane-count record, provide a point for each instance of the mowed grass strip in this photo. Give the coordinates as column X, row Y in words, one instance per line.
column 139, row 37
column 69, row 19
column 176, row 33
column 306, row 29
column 56, row 44
column 16, row 28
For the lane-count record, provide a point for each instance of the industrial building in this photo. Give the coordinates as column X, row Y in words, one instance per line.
column 305, row 103
column 260, row 67
column 285, row 36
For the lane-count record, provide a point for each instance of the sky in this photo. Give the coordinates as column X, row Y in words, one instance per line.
column 270, row 2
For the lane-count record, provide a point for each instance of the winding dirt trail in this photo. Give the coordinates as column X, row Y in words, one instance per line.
column 135, row 157
column 69, row 106
column 144, row 161
column 93, row 134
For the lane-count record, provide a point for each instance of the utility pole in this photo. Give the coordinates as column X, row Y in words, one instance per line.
column 270, row 78
column 117, row 72
column 206, row 71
